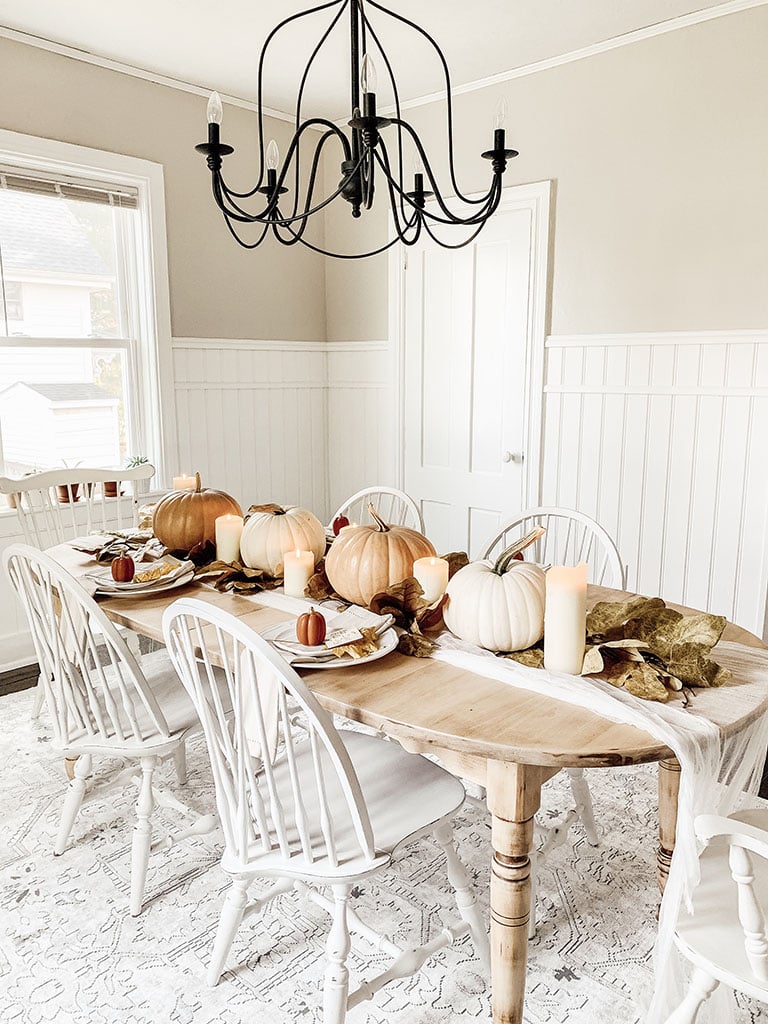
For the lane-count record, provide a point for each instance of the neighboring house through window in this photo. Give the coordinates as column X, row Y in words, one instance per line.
column 84, row 320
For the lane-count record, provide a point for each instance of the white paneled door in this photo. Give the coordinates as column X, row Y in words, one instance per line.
column 472, row 338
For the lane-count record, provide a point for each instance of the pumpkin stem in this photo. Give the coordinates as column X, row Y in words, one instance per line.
column 382, row 526
column 198, row 483
column 505, row 559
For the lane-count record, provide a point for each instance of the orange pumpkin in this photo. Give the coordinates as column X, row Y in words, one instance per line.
column 184, row 519
column 310, row 628
column 364, row 560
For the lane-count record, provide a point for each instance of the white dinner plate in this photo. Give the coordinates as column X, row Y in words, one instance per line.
column 287, row 631
column 143, row 589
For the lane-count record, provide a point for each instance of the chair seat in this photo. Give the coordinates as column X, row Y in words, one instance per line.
column 178, row 710
column 712, row 937
column 406, row 795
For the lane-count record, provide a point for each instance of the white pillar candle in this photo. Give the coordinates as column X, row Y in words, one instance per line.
column 298, row 567
column 184, row 483
column 432, row 574
column 228, row 531
column 565, row 618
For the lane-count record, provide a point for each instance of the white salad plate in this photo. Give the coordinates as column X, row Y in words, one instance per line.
column 293, row 652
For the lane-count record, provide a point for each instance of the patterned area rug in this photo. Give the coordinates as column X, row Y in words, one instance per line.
column 70, row 952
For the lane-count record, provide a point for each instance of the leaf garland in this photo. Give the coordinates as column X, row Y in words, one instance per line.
column 646, row 648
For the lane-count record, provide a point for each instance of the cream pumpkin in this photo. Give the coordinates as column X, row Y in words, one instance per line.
column 184, row 519
column 497, row 605
column 364, row 560
column 273, row 530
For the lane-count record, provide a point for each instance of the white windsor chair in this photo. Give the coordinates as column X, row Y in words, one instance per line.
column 726, row 935
column 395, row 507
column 318, row 807
column 570, row 537
column 84, row 507
column 61, row 504
column 100, row 700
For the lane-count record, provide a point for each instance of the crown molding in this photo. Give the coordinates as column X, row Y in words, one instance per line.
column 627, row 39
column 130, row 69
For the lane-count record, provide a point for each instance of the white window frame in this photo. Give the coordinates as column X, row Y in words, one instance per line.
column 152, row 405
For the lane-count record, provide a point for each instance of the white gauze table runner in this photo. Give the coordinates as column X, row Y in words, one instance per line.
column 716, row 773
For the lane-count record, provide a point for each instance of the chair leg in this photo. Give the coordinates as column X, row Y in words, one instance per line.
column 583, row 799
column 336, row 987
column 37, row 705
column 142, row 834
column 180, row 760
column 533, row 856
column 72, row 802
column 231, row 916
column 465, row 895
column 701, row 988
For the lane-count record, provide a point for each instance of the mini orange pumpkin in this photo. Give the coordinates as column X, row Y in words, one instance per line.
column 364, row 560
column 310, row 628
column 184, row 519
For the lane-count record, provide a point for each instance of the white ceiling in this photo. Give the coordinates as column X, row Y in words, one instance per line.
column 216, row 45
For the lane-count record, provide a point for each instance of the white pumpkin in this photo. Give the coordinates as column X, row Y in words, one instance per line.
column 273, row 530
column 497, row 605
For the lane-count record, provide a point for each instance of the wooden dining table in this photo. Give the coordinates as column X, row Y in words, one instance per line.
column 508, row 740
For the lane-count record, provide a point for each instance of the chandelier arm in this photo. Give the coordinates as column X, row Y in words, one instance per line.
column 449, row 101
column 479, row 217
column 238, row 213
column 300, row 96
column 457, row 245
column 239, row 240
column 414, row 222
column 451, row 217
column 343, row 255
column 262, row 56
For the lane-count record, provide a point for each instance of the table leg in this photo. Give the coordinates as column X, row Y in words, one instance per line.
column 669, row 787
column 514, row 795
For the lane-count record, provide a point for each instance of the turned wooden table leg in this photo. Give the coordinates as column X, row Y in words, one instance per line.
column 669, row 787
column 514, row 795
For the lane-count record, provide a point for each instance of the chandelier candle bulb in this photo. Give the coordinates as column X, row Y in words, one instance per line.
column 432, row 575
column 565, row 618
column 298, row 567
column 229, row 529
column 184, row 483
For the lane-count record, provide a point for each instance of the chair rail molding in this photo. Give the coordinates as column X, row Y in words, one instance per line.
column 659, row 436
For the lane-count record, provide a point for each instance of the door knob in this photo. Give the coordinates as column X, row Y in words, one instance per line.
column 513, row 457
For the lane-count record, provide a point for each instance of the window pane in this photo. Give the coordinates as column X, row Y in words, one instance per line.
column 62, row 407
column 60, row 260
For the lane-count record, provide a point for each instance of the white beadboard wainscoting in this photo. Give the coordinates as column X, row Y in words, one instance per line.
column 304, row 423
column 662, row 437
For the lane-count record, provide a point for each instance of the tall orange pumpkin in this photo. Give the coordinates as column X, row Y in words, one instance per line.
column 184, row 519
column 364, row 560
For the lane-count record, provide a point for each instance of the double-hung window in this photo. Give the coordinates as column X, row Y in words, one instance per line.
column 81, row 314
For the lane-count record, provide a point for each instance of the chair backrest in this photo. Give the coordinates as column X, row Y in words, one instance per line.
column 265, row 805
column 64, row 503
column 571, row 537
column 745, row 841
column 95, row 691
column 395, row 507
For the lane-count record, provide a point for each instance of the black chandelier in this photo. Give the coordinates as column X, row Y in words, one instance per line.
column 415, row 205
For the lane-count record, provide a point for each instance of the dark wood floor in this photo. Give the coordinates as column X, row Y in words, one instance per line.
column 23, row 678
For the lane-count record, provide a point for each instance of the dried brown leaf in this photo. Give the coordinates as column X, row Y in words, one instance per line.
column 456, row 560
column 269, row 507
column 319, row 587
column 533, row 657
column 416, row 645
column 367, row 644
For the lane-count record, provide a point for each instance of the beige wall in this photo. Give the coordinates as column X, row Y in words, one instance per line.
column 217, row 289
column 659, row 155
